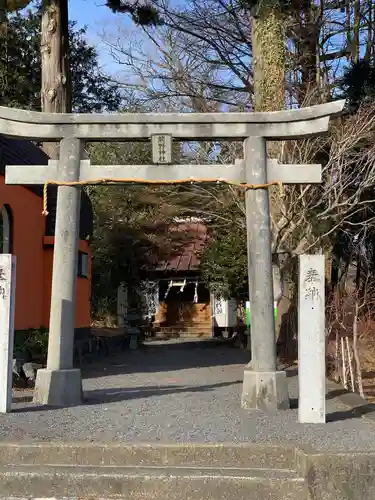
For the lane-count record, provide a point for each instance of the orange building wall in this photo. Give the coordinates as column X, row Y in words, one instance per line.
column 34, row 254
column 83, row 290
column 28, row 232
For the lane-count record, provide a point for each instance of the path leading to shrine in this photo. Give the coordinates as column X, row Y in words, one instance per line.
column 179, row 392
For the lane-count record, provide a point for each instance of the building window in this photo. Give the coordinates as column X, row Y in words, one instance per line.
column 6, row 229
column 83, row 265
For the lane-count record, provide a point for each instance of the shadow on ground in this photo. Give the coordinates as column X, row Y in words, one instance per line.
column 165, row 357
column 335, row 393
column 335, row 416
column 172, row 356
column 357, row 412
column 106, row 396
column 112, row 395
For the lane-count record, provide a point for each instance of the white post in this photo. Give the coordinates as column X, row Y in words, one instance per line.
column 311, row 340
column 7, row 306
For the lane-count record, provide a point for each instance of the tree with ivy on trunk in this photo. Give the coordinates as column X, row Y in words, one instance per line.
column 268, row 43
column 268, row 46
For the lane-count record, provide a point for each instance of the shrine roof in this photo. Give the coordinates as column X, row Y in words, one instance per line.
column 187, row 239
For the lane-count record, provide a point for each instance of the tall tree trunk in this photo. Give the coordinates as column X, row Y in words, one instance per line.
column 370, row 29
column 356, row 31
column 3, row 16
column 308, row 48
column 3, row 47
column 56, row 81
column 268, row 43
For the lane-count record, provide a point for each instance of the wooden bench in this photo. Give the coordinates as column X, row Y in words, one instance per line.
column 92, row 342
column 109, row 340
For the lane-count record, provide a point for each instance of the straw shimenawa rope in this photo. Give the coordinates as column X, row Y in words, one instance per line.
column 144, row 181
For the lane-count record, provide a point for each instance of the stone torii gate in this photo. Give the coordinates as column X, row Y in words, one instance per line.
column 60, row 384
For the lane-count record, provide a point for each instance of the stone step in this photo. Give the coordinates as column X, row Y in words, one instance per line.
column 250, row 456
column 182, row 335
column 149, row 483
column 184, row 332
column 184, row 328
column 185, row 323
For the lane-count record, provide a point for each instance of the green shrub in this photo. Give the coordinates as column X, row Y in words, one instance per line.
column 32, row 341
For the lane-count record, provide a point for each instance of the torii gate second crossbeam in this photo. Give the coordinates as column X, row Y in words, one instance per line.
column 60, row 384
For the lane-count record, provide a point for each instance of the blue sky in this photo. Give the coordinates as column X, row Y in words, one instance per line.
column 92, row 13
column 96, row 16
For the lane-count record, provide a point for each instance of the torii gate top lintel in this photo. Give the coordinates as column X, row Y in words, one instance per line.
column 275, row 125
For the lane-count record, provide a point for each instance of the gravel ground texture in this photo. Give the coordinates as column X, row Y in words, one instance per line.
column 180, row 392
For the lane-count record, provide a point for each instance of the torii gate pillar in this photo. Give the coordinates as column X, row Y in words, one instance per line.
column 263, row 386
column 60, row 384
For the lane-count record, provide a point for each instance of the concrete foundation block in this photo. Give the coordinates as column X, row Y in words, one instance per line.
column 58, row 387
column 267, row 391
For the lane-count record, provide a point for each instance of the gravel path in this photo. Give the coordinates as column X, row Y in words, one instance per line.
column 179, row 392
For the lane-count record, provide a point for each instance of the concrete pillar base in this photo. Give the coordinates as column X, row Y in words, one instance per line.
column 267, row 391
column 58, row 387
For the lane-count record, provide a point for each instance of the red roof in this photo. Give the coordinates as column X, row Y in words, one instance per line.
column 187, row 240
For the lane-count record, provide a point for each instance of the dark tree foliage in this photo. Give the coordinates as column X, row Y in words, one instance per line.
column 20, row 71
column 359, row 83
column 146, row 14
column 224, row 264
column 256, row 5
column 92, row 91
column 355, row 242
column 142, row 14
